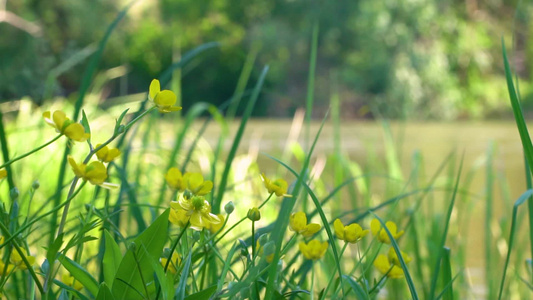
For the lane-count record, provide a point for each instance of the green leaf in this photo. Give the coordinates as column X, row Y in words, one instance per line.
column 152, row 239
column 203, row 294
column 80, row 274
column 180, row 292
column 166, row 280
column 85, row 123
column 104, row 293
column 112, row 258
column 51, row 253
column 119, row 121
column 359, row 292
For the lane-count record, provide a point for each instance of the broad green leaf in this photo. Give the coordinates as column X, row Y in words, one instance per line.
column 112, row 258
column 180, row 292
column 80, row 274
column 128, row 275
column 104, row 293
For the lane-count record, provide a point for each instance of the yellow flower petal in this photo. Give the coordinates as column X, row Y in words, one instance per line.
column 76, row 132
column 311, row 229
column 339, row 229
column 165, row 98
column 3, row 173
column 59, row 118
column 297, row 221
column 155, row 88
column 175, row 179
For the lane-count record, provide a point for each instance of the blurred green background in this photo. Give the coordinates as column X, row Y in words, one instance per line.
column 398, row 59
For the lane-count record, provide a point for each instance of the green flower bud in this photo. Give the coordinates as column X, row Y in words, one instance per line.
column 14, row 193
column 229, row 207
column 254, row 214
column 35, row 185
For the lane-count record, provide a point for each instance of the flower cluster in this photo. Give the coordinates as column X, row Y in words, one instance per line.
column 95, row 172
column 389, row 265
column 191, row 206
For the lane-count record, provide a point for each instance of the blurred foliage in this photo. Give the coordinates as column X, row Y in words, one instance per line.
column 400, row 59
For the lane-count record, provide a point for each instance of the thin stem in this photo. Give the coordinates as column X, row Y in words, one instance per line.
column 67, row 205
column 141, row 273
column 241, row 220
column 31, row 152
column 311, row 290
column 176, row 244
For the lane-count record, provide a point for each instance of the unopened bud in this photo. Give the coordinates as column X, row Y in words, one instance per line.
column 36, row 184
column 14, row 193
column 254, row 214
column 229, row 207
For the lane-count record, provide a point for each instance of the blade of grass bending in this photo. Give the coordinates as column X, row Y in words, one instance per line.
column 282, row 222
column 518, row 202
column 447, row 286
column 86, row 81
column 488, row 218
column 224, row 180
column 529, row 184
column 517, row 111
column 394, row 244
column 445, row 233
column 243, row 79
column 358, row 290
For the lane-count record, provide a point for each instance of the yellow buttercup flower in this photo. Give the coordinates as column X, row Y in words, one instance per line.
column 107, row 154
column 66, row 126
column 298, row 224
column 3, row 173
column 393, row 258
column 70, row 281
column 215, row 227
column 352, row 233
column 174, row 263
column 16, row 259
column 390, row 265
column 197, row 210
column 278, row 186
column 314, row 249
column 95, row 172
column 194, row 182
column 163, row 99
column 174, row 179
column 381, row 234
column 178, row 216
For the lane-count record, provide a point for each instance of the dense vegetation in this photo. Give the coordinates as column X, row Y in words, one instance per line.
column 408, row 59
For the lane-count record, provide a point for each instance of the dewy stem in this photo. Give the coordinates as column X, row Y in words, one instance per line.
column 31, row 152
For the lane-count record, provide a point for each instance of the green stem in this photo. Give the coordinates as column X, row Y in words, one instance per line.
column 311, row 290
column 23, row 257
column 31, row 152
column 175, row 245
column 240, row 221
column 333, row 275
column 67, row 205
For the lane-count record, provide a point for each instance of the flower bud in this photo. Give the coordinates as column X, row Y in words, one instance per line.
column 254, row 214
column 14, row 193
column 36, row 184
column 263, row 239
column 229, row 207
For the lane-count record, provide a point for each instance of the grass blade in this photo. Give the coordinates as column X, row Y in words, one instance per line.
column 247, row 113
column 512, row 233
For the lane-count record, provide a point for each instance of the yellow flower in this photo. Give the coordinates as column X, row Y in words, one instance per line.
column 390, row 265
column 298, row 223
column 9, row 269
column 95, row 172
column 278, row 186
column 107, row 154
column 66, row 126
column 16, row 259
column 352, row 233
column 70, row 281
column 194, row 182
column 178, row 216
column 381, row 234
column 3, row 173
column 174, row 179
column 174, row 263
column 197, row 210
column 164, row 100
column 393, row 258
column 215, row 227
column 314, row 249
